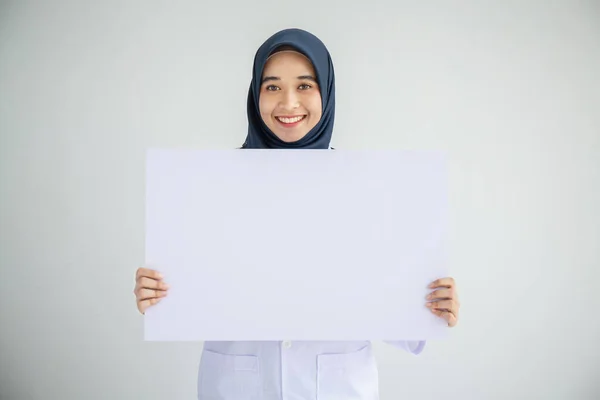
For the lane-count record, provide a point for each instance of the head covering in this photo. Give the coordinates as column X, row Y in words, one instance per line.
column 259, row 135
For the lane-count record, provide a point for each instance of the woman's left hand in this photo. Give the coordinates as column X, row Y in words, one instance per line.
column 443, row 302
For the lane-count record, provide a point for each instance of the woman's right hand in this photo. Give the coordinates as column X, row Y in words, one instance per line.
column 149, row 288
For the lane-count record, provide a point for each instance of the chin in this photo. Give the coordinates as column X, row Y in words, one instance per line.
column 290, row 138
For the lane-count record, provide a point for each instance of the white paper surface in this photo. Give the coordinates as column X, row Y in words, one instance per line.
column 296, row 244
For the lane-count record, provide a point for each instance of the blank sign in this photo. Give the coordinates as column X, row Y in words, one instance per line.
column 296, row 244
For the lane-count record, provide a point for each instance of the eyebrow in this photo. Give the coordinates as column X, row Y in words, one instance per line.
column 276, row 78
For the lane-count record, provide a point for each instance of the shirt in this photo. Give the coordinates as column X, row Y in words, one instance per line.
column 286, row 370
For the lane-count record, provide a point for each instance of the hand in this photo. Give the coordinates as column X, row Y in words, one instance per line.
column 444, row 301
column 149, row 288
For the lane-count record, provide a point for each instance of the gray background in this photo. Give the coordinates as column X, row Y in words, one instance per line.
column 510, row 89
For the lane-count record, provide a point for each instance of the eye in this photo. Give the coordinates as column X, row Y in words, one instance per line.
column 305, row 86
column 272, row 88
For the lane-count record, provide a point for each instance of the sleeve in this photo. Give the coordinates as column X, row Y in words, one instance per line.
column 412, row 347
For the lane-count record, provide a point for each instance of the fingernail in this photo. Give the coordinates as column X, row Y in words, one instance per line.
column 429, row 297
column 428, row 304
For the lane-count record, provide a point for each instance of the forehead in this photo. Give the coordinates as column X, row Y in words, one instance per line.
column 288, row 61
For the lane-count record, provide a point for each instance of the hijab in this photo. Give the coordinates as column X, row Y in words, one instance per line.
column 319, row 137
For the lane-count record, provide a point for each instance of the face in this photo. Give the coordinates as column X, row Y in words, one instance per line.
column 290, row 100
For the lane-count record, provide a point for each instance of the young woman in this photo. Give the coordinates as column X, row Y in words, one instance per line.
column 291, row 104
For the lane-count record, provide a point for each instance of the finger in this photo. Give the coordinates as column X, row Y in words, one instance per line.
column 145, row 294
column 144, row 304
column 149, row 273
column 443, row 282
column 442, row 305
column 441, row 294
column 447, row 316
column 150, row 283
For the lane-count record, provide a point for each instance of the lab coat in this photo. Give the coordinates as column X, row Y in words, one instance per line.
column 290, row 370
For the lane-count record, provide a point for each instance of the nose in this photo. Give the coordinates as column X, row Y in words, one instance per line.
column 289, row 100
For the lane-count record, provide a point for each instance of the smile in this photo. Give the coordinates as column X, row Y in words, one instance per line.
column 290, row 121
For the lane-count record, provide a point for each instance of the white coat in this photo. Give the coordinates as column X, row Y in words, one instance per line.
column 291, row 370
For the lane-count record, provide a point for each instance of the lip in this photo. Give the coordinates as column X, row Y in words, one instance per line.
column 292, row 125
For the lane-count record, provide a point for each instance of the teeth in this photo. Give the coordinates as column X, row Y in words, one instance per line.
column 290, row 120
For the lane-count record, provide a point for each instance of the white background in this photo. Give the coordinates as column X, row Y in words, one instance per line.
column 510, row 89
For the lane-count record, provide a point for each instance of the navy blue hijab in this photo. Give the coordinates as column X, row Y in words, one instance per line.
column 259, row 135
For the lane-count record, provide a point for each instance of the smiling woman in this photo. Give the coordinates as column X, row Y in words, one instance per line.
column 291, row 104
column 290, row 99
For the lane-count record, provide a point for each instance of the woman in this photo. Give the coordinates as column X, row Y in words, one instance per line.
column 291, row 105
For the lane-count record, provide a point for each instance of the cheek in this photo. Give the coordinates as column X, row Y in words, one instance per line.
column 313, row 105
column 265, row 106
